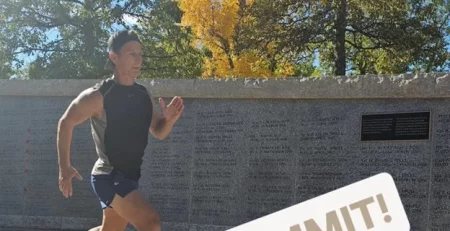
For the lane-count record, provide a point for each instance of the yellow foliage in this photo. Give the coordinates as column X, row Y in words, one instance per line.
column 246, row 65
column 214, row 23
column 210, row 20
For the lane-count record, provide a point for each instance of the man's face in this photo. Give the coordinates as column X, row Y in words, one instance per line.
column 128, row 59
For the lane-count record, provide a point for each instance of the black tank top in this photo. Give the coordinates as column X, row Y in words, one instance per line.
column 121, row 136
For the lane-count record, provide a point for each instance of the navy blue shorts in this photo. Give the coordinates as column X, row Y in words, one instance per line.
column 106, row 186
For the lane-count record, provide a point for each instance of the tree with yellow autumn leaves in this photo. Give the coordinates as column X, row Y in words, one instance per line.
column 266, row 38
column 217, row 25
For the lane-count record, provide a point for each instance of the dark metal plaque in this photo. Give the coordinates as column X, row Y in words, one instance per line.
column 398, row 126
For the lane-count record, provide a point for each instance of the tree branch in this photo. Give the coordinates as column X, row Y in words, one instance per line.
column 29, row 49
column 160, row 56
column 377, row 46
column 138, row 15
column 74, row 1
column 47, row 47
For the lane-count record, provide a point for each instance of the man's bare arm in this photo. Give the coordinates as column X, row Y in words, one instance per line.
column 84, row 106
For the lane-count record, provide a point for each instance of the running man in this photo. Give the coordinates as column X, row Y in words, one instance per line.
column 122, row 114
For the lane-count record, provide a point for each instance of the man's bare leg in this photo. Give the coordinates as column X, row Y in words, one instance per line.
column 111, row 222
column 135, row 209
column 98, row 228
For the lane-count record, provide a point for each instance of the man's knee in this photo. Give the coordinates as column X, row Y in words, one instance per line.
column 149, row 222
column 137, row 211
column 113, row 221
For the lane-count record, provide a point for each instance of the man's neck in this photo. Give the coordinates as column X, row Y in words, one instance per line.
column 123, row 79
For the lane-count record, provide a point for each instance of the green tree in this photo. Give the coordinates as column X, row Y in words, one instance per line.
column 354, row 36
column 168, row 47
column 68, row 37
column 6, row 59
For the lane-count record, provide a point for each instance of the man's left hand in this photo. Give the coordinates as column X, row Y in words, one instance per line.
column 173, row 110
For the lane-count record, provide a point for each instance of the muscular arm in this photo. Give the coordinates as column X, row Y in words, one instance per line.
column 84, row 106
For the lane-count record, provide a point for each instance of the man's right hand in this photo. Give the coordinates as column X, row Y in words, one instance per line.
column 65, row 180
column 88, row 103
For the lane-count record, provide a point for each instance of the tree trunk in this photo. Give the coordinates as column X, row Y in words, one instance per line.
column 88, row 31
column 227, row 49
column 341, row 24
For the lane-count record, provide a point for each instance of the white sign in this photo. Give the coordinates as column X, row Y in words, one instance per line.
column 370, row 204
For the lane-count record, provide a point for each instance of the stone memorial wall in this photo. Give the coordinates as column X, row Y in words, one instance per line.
column 242, row 149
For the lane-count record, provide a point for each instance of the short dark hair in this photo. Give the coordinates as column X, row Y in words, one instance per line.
column 117, row 40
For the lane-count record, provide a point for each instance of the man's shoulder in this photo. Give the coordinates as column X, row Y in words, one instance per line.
column 96, row 91
column 103, row 86
column 91, row 94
